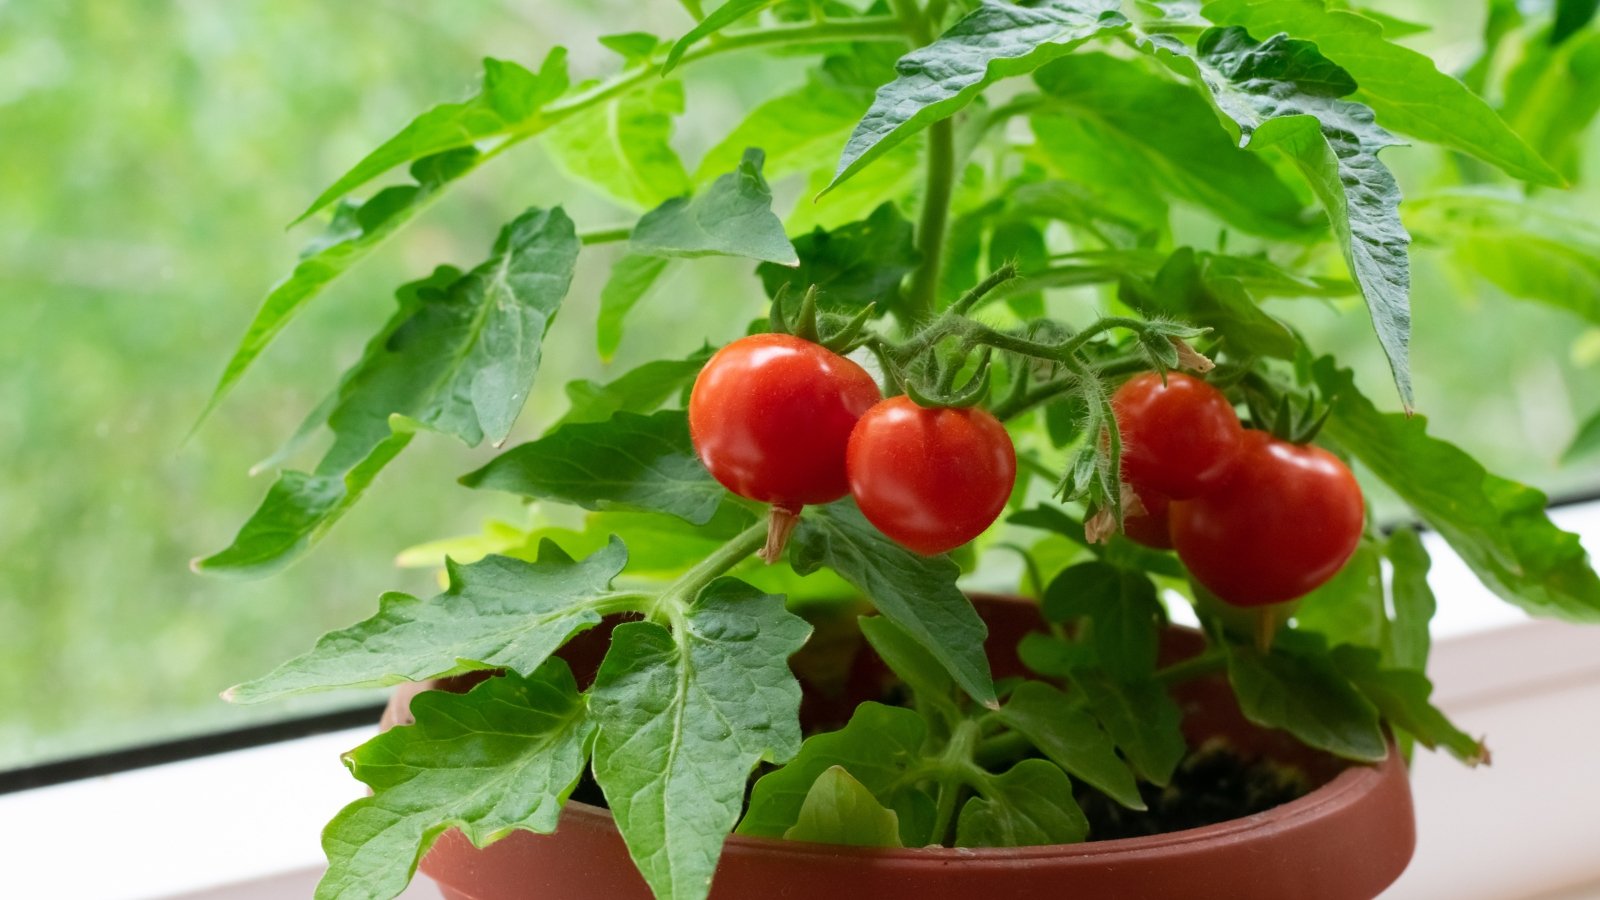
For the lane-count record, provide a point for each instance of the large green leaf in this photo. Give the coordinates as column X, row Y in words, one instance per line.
column 1402, row 697
column 1030, row 805
column 1140, row 717
column 1124, row 613
column 851, row 266
column 1172, row 136
column 997, row 40
column 459, row 357
column 684, row 716
column 1349, row 608
column 878, row 746
column 624, row 147
column 918, row 668
column 1412, row 599
column 1303, row 693
column 1071, row 739
column 1283, row 93
column 840, row 810
column 497, row 613
column 639, row 390
column 504, row 756
column 1499, row 527
column 628, row 461
column 733, row 217
column 508, row 101
column 917, row 593
column 1404, row 88
column 355, row 230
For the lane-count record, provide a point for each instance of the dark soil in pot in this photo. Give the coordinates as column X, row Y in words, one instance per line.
column 1251, row 815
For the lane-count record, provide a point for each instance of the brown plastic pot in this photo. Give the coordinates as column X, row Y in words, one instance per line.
column 1347, row 839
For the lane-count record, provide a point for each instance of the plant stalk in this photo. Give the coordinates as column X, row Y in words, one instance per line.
column 682, row 591
column 923, row 297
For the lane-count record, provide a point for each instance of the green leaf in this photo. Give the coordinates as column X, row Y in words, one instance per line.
column 1141, row 718
column 459, row 357
column 1071, row 739
column 624, row 148
column 733, row 217
column 1303, row 693
column 1402, row 697
column 1586, row 443
column 840, row 810
column 1029, row 806
column 994, row 41
column 502, row 757
column 508, row 102
column 635, row 47
column 627, row 462
column 639, row 390
column 1404, row 88
column 497, row 613
column 354, row 231
column 631, row 279
column 1123, row 610
column 1171, row 134
column 720, row 18
column 1349, row 608
column 1552, row 96
column 851, row 266
column 906, row 658
column 878, row 746
column 1412, row 599
column 1499, row 527
column 1283, row 93
column 1210, row 291
column 917, row 593
column 1571, row 17
column 684, row 716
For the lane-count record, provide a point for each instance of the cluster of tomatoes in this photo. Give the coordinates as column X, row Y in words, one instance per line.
column 1256, row 519
column 788, row 422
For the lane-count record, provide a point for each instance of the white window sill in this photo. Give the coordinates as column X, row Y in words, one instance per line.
column 246, row 825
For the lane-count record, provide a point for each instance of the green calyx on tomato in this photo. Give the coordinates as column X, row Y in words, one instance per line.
column 841, row 336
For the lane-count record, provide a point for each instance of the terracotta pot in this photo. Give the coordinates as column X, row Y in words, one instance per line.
column 1347, row 839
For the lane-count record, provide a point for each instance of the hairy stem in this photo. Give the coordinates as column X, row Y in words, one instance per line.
column 923, row 297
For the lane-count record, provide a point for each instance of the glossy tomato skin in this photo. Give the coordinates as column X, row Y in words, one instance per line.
column 1150, row 528
column 1177, row 438
column 1283, row 522
column 931, row 479
column 771, row 414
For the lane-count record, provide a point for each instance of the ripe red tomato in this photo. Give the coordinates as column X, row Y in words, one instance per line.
column 930, row 479
column 770, row 416
column 1149, row 528
column 1177, row 438
column 1283, row 522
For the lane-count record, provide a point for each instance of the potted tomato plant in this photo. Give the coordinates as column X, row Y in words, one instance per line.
column 1021, row 344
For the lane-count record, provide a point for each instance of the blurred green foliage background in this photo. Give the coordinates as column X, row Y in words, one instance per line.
column 150, row 153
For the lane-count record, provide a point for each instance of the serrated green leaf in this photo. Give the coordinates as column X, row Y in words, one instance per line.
column 1071, row 739
column 1140, row 717
column 1499, row 527
column 1124, row 613
column 684, row 716
column 1303, row 693
column 1030, row 805
column 624, row 147
column 355, row 230
column 994, row 41
column 840, row 810
column 720, row 18
column 626, row 462
column 878, row 746
column 508, row 101
column 918, row 668
column 1402, row 697
column 501, row 757
column 851, row 266
column 1404, row 87
column 459, row 358
column 639, row 390
column 733, row 217
column 497, row 613
column 1283, row 93
column 1412, row 599
column 1171, row 134
column 1349, row 608
column 631, row 279
column 917, row 593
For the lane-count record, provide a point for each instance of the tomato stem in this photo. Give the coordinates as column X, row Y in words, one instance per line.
column 681, row 592
column 780, row 524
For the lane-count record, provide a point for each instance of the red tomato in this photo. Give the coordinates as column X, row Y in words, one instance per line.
column 1149, row 528
column 1284, row 521
column 770, row 416
column 930, row 479
column 1177, row 438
